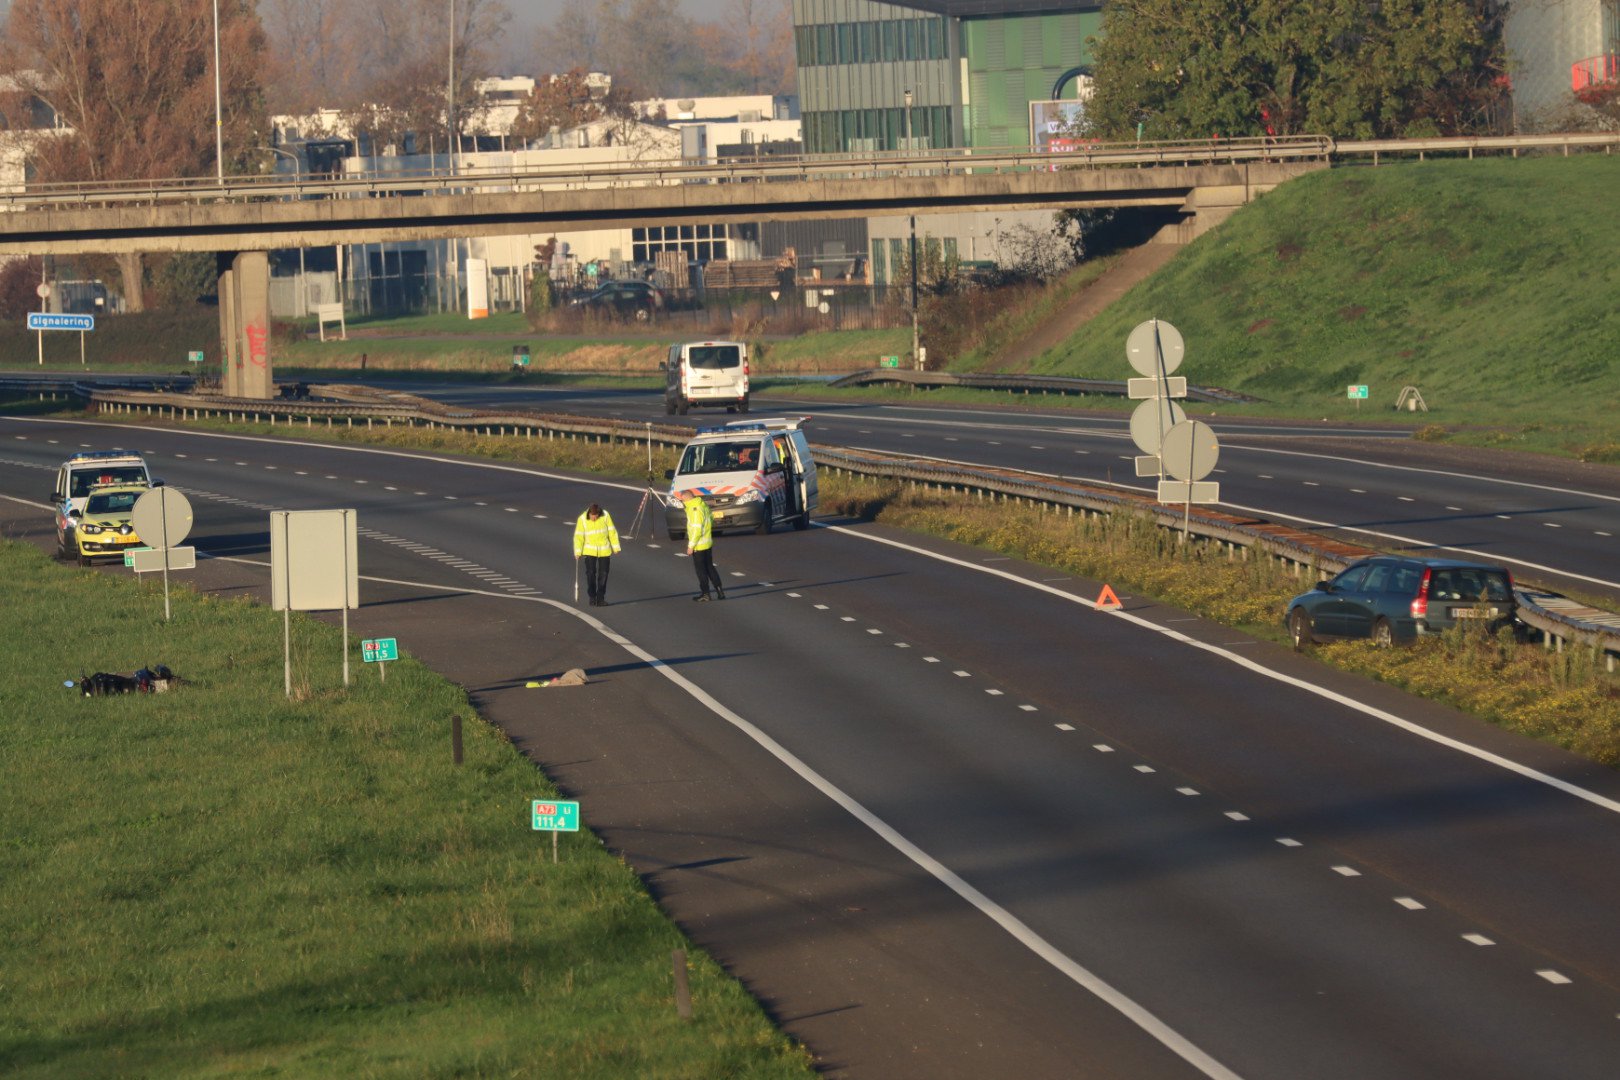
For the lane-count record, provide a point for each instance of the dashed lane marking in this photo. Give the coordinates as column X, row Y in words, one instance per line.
column 1409, row 904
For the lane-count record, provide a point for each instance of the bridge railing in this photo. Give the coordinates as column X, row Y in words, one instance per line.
column 653, row 172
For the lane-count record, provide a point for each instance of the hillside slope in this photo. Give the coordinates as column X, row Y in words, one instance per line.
column 1492, row 285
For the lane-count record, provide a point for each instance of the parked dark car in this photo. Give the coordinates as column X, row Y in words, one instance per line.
column 638, row 300
column 1391, row 598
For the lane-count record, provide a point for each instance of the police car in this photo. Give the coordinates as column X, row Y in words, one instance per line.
column 79, row 474
column 103, row 529
column 754, row 474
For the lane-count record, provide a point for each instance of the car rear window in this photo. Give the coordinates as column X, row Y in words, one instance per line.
column 714, row 357
column 1465, row 583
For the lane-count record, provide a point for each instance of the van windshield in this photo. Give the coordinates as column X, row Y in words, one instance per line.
column 714, row 457
column 714, row 357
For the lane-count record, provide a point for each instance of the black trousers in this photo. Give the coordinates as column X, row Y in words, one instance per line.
column 703, row 563
column 596, row 575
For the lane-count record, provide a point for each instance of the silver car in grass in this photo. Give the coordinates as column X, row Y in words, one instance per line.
column 1393, row 598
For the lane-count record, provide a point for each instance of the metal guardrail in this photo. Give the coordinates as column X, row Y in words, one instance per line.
column 1558, row 618
column 1055, row 384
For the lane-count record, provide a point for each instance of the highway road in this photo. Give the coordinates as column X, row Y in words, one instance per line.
column 947, row 820
column 1554, row 522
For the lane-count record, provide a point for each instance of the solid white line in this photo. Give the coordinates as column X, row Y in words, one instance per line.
column 1258, row 668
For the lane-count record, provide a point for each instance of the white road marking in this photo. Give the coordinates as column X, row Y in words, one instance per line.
column 1187, row 790
column 1358, row 491
column 796, row 596
column 1549, row 524
column 509, row 509
column 1409, row 904
column 1458, row 508
column 1307, row 483
column 1263, row 476
column 1028, row 708
column 1145, row 769
column 994, row 693
column 901, row 645
column 1102, row 748
column 963, row 674
column 1598, row 532
column 1260, row 669
column 1237, row 815
column 871, row 630
column 1347, row 871
column 1064, row 727
column 846, row 618
column 1477, row 939
column 1554, row 977
column 930, row 659
column 821, row 607
column 1288, row 841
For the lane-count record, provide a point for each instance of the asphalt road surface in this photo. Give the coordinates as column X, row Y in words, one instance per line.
column 1550, row 521
column 948, row 820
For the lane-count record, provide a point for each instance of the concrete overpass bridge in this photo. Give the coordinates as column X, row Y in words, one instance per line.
column 243, row 219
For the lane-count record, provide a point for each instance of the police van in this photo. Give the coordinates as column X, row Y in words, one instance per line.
column 754, row 474
column 706, row 374
column 80, row 473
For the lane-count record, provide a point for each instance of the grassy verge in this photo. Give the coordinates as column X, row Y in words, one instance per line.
column 219, row 881
column 1563, row 698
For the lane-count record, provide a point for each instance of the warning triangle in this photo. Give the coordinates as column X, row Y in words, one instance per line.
column 1106, row 599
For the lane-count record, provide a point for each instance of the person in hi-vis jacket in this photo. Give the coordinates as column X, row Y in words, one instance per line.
column 700, row 544
column 596, row 541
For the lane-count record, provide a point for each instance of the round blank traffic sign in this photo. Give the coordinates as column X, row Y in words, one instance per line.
column 1151, row 420
column 1190, row 450
column 162, row 517
column 1151, row 340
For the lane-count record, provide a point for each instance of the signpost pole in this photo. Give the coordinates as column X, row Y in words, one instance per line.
column 81, row 348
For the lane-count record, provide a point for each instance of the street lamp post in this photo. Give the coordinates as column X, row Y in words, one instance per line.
column 298, row 176
column 219, row 113
column 916, row 352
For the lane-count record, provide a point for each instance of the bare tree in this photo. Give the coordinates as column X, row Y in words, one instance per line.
column 133, row 87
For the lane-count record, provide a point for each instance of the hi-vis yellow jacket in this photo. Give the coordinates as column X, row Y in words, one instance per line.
column 597, row 537
column 699, row 524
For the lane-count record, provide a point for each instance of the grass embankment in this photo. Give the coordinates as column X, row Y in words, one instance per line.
column 1489, row 285
column 1563, row 698
column 221, row 881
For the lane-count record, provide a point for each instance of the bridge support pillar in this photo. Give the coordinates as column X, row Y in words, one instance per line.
column 244, row 323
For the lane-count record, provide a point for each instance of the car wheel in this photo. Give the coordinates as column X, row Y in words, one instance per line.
column 1383, row 634
column 764, row 526
column 742, row 406
column 643, row 314
column 802, row 522
column 682, row 405
column 85, row 560
column 1299, row 629
column 669, row 407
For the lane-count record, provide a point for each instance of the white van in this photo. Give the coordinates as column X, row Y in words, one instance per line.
column 706, row 374
column 754, row 474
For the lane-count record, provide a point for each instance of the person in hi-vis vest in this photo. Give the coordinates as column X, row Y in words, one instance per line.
column 596, row 541
column 700, row 544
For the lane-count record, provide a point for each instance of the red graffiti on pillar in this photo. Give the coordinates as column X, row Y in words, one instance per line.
column 258, row 339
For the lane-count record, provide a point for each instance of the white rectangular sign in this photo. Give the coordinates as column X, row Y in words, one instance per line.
column 1147, row 389
column 1149, row 465
column 314, row 563
column 151, row 560
column 1199, row 491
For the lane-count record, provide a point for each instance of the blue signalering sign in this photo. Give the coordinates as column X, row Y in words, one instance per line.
column 39, row 320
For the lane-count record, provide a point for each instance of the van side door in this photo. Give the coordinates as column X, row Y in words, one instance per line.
column 805, row 472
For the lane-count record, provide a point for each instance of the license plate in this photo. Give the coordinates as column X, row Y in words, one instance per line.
column 719, row 514
column 1473, row 613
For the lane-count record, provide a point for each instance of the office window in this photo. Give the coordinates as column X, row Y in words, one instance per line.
column 826, row 45
column 804, row 45
column 868, row 43
column 891, row 39
column 911, row 50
